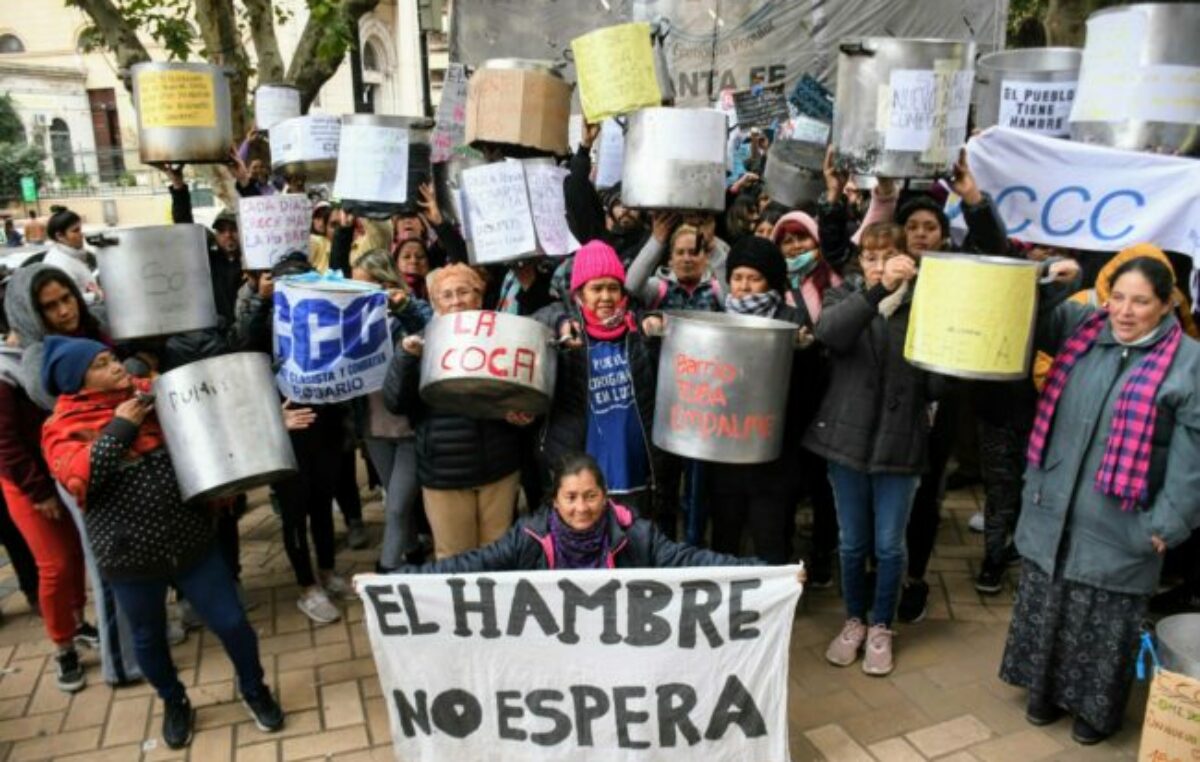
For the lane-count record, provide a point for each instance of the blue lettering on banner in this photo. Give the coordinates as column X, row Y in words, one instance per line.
column 1050, row 224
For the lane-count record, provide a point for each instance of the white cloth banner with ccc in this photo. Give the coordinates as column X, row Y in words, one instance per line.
column 628, row 664
column 1082, row 196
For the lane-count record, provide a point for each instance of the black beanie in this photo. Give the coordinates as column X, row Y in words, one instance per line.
column 927, row 204
column 762, row 255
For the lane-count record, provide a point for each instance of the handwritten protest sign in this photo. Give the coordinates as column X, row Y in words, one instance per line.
column 175, row 98
column 274, row 104
column 549, row 208
column 332, row 341
column 305, row 138
column 1041, row 107
column 1171, row 730
column 761, row 105
column 926, row 110
column 615, row 66
column 271, row 227
column 498, row 209
column 672, row 665
column 610, row 161
column 372, row 164
column 451, row 129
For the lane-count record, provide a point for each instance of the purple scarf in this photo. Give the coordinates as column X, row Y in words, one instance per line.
column 587, row 549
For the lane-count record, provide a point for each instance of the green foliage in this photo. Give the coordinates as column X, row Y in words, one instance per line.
column 18, row 160
column 1022, row 12
column 75, row 181
column 125, row 180
column 11, row 129
column 337, row 36
column 167, row 21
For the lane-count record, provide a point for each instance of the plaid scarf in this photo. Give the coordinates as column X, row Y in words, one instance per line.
column 1124, row 471
column 763, row 305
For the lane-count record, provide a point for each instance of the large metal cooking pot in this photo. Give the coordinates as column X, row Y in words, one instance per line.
column 902, row 105
column 306, row 146
column 447, row 181
column 274, row 104
column 1139, row 83
column 484, row 364
column 371, row 171
column 1179, row 643
column 183, row 112
column 794, row 174
column 1029, row 89
column 674, row 159
column 723, row 386
column 223, row 425
column 519, row 106
column 156, row 280
column 972, row 317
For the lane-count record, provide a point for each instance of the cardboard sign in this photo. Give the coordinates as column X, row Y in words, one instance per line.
column 273, row 105
column 270, row 227
column 372, row 164
column 1171, row 730
column 518, row 107
column 761, row 105
column 176, row 98
column 615, row 68
column 331, row 339
column 671, row 665
column 451, row 129
column 498, row 209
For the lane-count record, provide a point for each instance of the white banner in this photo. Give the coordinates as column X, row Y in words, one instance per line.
column 1082, row 196
column 332, row 341
column 635, row 664
column 270, row 227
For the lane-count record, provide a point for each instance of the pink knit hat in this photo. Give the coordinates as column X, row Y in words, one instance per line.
column 596, row 259
column 795, row 222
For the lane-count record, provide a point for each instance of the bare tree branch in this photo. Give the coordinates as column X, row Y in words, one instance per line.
column 223, row 46
column 310, row 69
column 118, row 34
column 266, row 44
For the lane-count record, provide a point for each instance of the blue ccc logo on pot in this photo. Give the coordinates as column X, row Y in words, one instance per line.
column 323, row 333
column 1101, row 218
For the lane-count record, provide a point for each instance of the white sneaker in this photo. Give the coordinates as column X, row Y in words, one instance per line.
column 975, row 523
column 337, row 586
column 316, row 606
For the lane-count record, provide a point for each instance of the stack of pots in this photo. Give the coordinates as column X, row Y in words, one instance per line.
column 183, row 113
column 794, row 174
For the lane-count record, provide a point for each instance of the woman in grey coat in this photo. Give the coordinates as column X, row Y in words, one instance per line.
column 1113, row 480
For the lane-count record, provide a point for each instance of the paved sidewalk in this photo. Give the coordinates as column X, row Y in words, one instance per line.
column 943, row 701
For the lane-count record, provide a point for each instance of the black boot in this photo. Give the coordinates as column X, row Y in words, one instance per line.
column 1041, row 712
column 1085, row 734
column 178, row 718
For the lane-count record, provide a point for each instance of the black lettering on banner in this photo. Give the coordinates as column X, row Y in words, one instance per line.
column 626, row 716
column 740, row 619
column 414, row 618
column 485, row 606
column 735, row 706
column 457, row 713
column 591, row 703
column 412, row 717
column 693, row 614
column 526, row 602
column 673, row 716
column 538, row 701
column 384, row 609
column 506, row 711
column 605, row 598
column 646, row 598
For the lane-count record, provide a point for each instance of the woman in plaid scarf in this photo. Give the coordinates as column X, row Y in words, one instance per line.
column 1113, row 480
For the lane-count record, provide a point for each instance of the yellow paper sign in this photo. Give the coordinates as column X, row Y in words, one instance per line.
column 973, row 316
column 176, row 98
column 615, row 66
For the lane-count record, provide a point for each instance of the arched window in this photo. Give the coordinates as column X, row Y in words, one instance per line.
column 371, row 56
column 10, row 43
column 60, row 148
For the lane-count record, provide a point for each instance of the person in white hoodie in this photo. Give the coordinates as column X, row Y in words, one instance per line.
column 67, row 253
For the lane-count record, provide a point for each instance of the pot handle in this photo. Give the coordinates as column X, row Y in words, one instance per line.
column 855, row 49
column 102, row 240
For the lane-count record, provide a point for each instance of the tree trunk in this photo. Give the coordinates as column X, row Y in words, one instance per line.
column 119, row 36
column 310, row 70
column 266, row 44
column 223, row 47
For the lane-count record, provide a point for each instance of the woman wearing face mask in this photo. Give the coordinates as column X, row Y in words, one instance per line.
column 809, row 274
column 469, row 468
column 1111, row 483
column 872, row 428
column 686, row 283
column 607, row 370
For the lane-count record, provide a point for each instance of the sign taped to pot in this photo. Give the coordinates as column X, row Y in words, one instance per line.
column 272, row 227
column 616, row 71
column 174, row 98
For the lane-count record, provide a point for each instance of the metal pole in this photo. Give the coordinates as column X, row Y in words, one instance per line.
column 426, row 87
column 356, row 78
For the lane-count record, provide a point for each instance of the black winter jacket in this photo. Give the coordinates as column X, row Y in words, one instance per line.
column 875, row 417
column 634, row 544
column 453, row 451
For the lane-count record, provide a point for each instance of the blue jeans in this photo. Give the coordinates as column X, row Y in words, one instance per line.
column 872, row 511
column 208, row 586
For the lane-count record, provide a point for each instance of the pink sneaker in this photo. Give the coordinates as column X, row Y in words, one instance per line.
column 843, row 651
column 877, row 659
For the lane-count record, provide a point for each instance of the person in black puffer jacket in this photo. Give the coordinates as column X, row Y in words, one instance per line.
column 469, row 468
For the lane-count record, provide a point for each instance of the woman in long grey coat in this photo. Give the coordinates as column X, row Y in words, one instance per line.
column 1113, row 480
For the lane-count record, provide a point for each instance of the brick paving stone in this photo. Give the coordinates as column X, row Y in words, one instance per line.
column 20, row 677
column 1027, row 745
column 88, row 707
column 262, row 752
column 127, row 721
column 325, row 744
column 29, row 727
column 895, row 750
column 56, row 744
column 214, row 745
column 115, row 754
column 836, row 745
column 949, row 736
column 341, row 705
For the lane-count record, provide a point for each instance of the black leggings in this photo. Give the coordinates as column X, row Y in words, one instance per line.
column 770, row 516
column 927, row 505
column 306, row 501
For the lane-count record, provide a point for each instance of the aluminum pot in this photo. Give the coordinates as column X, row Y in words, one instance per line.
column 794, row 174
column 156, row 280
column 1027, row 89
column 420, row 130
column 274, row 104
column 183, row 112
column 1139, row 83
column 723, row 386
column 895, row 114
column 306, row 146
column 520, row 107
column 1179, row 643
column 483, row 364
column 223, row 425
column 674, row 159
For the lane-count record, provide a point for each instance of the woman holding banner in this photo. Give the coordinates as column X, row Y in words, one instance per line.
column 1111, row 483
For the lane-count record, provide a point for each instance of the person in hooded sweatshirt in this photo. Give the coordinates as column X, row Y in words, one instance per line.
column 67, row 253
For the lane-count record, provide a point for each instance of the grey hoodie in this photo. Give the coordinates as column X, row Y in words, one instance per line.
column 25, row 319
